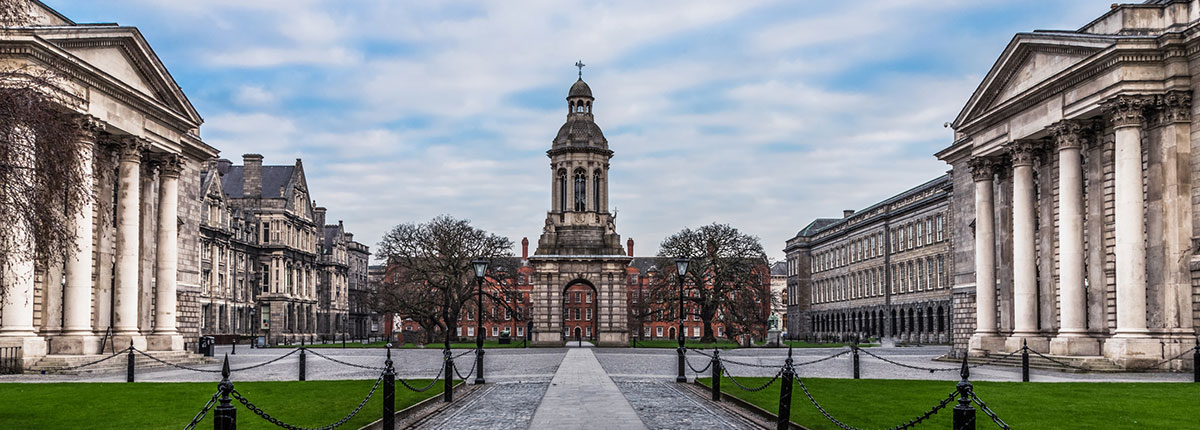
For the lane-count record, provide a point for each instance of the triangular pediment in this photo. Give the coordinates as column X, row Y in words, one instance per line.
column 1029, row 61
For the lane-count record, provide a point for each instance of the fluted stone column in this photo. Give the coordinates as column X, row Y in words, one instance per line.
column 125, row 295
column 165, row 336
column 1025, row 294
column 77, row 336
column 1131, row 337
column 1072, row 338
column 986, row 338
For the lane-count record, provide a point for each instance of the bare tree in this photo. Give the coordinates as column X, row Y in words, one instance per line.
column 15, row 13
column 437, row 256
column 726, row 271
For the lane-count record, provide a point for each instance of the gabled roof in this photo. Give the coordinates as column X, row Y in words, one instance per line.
column 1028, row 61
column 274, row 180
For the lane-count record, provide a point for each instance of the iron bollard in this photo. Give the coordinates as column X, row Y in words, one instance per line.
column 389, row 392
column 964, row 413
column 225, row 415
column 448, row 386
column 716, row 375
column 854, row 350
column 1024, row 362
column 129, row 365
column 681, row 377
column 784, row 418
column 234, row 347
column 343, row 341
column 479, row 367
column 303, row 364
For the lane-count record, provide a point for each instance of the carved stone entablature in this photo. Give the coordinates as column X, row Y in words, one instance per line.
column 87, row 127
column 1072, row 134
column 170, row 165
column 1127, row 110
column 982, row 169
column 1023, row 152
column 1173, row 107
column 130, row 148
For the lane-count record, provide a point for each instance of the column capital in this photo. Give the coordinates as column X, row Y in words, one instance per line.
column 1072, row 134
column 982, row 169
column 1127, row 110
column 87, row 127
column 170, row 165
column 1023, row 152
column 130, row 148
column 1173, row 107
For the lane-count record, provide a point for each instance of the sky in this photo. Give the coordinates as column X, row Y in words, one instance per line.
column 759, row 114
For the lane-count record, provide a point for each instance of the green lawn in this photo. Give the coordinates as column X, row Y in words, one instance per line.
column 487, row 344
column 876, row 403
column 151, row 405
column 672, row 344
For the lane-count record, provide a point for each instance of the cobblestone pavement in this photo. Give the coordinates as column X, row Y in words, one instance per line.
column 503, row 405
column 663, row 405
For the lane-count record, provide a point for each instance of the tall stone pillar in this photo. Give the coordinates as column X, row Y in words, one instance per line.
column 1025, row 294
column 125, row 301
column 986, row 338
column 1131, row 340
column 1072, row 338
column 165, row 337
column 16, row 305
column 77, row 336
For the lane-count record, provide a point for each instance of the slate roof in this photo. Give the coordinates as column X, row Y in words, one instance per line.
column 580, row 89
column 823, row 223
column 643, row 264
column 579, row 128
column 779, row 268
column 274, row 179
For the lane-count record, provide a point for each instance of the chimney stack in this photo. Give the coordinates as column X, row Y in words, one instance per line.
column 629, row 246
column 524, row 248
column 223, row 166
column 846, row 213
column 252, row 175
column 319, row 217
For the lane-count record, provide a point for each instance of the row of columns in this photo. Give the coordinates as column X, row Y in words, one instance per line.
column 77, row 334
column 1126, row 115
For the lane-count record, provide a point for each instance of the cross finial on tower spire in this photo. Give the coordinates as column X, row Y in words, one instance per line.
column 580, row 65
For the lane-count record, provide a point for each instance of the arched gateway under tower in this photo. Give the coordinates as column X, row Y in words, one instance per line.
column 579, row 244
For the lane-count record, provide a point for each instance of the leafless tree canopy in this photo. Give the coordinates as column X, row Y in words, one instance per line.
column 41, row 170
column 431, row 277
column 724, row 279
column 15, row 13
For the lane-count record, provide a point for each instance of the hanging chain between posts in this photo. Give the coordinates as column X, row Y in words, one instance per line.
column 203, row 411
column 377, row 369
column 194, row 369
column 258, row 411
column 984, row 407
column 427, row 387
column 745, row 388
column 462, row 354
column 1160, row 363
column 995, row 360
column 897, row 363
column 910, row 424
column 469, row 372
column 698, row 371
column 121, row 352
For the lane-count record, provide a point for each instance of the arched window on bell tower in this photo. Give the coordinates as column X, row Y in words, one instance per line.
column 596, row 191
column 562, row 190
column 580, row 191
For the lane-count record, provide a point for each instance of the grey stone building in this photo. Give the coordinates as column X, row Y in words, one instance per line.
column 133, row 276
column 343, row 273
column 579, row 246
column 878, row 272
column 1075, row 162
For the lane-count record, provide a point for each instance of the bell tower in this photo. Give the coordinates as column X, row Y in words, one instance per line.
column 579, row 244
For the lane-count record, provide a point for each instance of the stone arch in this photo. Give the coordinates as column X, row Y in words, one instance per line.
column 580, row 308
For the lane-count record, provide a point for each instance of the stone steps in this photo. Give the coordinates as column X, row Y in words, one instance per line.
column 53, row 363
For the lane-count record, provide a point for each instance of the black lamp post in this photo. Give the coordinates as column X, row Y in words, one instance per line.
column 681, row 266
column 480, row 269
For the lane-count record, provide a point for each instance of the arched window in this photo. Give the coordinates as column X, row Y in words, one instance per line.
column 596, row 190
column 580, row 191
column 562, row 191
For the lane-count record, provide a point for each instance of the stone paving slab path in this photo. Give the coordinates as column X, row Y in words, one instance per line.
column 582, row 396
column 505, row 405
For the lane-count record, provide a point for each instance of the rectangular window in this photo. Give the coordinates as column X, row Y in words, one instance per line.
column 495, row 331
column 520, row 331
column 658, row 331
column 577, row 297
column 939, row 228
column 721, row 331
column 589, row 296
column 589, row 314
column 470, row 331
column 588, row 331
column 920, row 235
column 265, row 313
column 646, row 330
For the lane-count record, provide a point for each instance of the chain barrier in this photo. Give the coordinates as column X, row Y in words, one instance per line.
column 427, row 387
column 121, row 352
column 794, row 365
column 469, row 351
column 806, row 363
column 1160, row 363
column 745, row 388
column 984, row 407
column 910, row 424
column 698, row 351
column 377, row 369
column 194, row 369
column 203, row 411
column 1052, row 360
column 995, row 360
column 258, row 411
column 698, row 371
column 469, row 372
column 897, row 363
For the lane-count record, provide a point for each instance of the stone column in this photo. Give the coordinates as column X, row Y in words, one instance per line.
column 1131, row 339
column 1072, row 339
column 1175, row 116
column 17, row 266
column 165, row 337
column 77, row 336
column 1025, row 294
column 986, row 338
column 125, row 297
